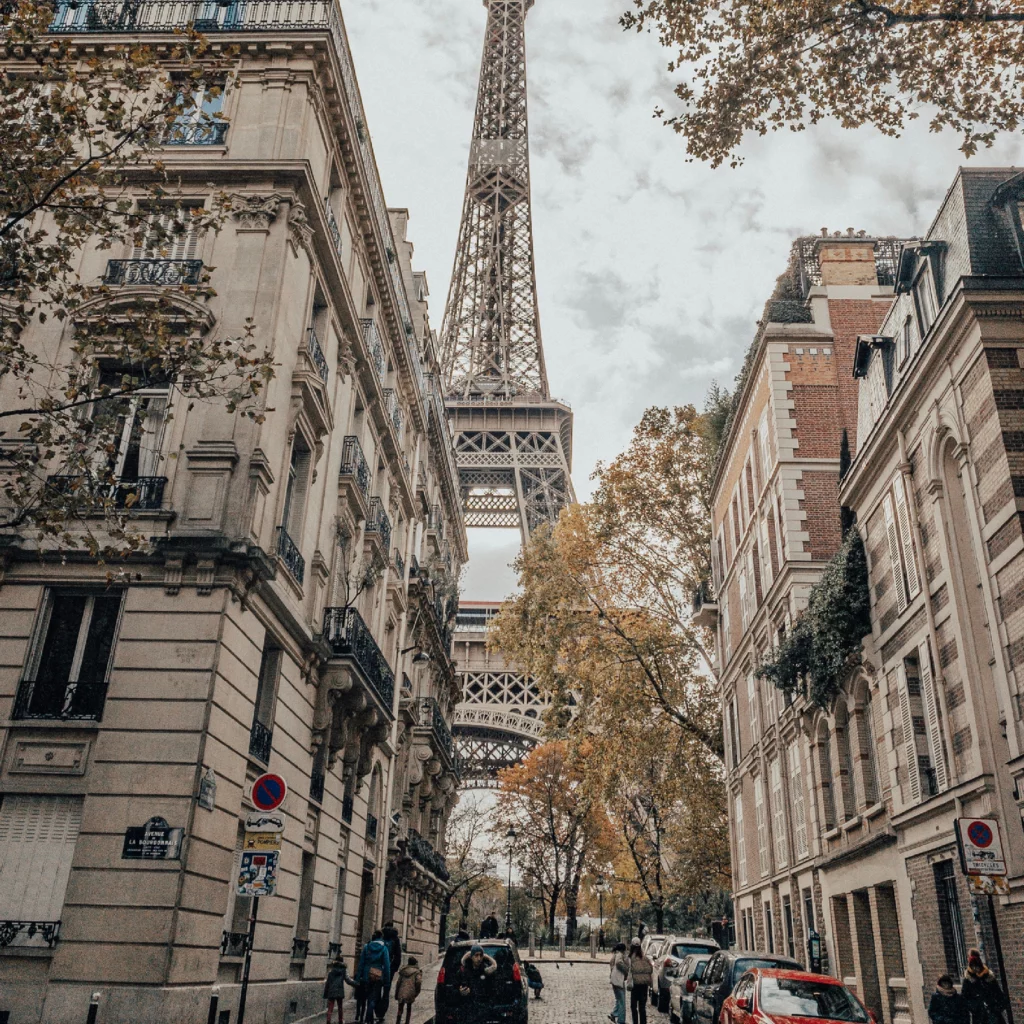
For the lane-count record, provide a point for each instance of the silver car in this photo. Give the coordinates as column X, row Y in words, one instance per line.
column 670, row 955
column 682, row 985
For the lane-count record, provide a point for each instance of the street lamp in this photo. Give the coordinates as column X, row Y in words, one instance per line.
column 511, row 837
column 601, row 887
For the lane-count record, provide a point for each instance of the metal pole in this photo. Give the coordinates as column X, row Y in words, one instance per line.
column 253, row 913
column 999, row 957
column 211, row 1017
column 508, row 904
column 94, row 1008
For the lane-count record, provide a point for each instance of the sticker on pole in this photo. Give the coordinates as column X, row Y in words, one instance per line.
column 268, row 792
column 981, row 850
column 257, row 874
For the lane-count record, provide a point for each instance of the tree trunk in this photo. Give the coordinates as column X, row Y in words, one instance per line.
column 555, row 892
column 570, row 917
column 659, row 916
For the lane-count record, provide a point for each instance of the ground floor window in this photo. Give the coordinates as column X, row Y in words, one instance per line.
column 950, row 919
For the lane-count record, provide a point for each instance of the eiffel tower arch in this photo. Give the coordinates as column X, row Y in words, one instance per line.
column 513, row 441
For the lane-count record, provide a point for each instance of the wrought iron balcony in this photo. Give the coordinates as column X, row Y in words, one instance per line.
column 197, row 133
column 332, row 226
column 414, row 567
column 153, row 271
column 371, row 827
column 59, row 700
column 261, row 738
column 705, row 608
column 15, row 932
column 353, row 464
column 350, row 637
column 375, row 347
column 442, row 734
column 406, row 686
column 316, row 785
column 399, row 564
column 435, row 521
column 316, row 353
column 423, row 853
column 233, row 943
column 393, row 409
column 290, row 555
column 346, row 810
column 144, row 494
column 300, row 948
column 377, row 522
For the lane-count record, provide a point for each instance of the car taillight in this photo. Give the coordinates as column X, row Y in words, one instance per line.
column 440, row 976
column 691, row 985
column 669, row 961
column 517, row 975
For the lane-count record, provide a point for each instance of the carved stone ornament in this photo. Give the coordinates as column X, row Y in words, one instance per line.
column 255, row 212
column 300, row 234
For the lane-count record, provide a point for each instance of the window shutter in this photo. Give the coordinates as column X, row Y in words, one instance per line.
column 796, row 796
column 762, row 432
column 752, row 592
column 931, row 714
column 894, row 554
column 906, row 536
column 909, row 741
column 778, row 816
column 744, row 618
column 37, row 844
column 755, row 729
column 766, row 557
column 741, row 840
column 762, row 827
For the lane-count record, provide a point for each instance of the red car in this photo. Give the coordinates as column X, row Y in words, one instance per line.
column 767, row 996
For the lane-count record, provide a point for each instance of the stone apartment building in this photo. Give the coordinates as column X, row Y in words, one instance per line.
column 292, row 610
column 776, row 523
column 926, row 727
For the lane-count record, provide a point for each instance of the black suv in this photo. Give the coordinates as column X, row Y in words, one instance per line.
column 504, row 998
column 722, row 973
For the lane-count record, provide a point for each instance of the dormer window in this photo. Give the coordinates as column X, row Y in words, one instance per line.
column 925, row 299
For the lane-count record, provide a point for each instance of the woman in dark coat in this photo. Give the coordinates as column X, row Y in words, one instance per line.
column 983, row 993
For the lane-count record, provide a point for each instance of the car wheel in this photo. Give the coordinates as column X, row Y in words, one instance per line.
column 663, row 1001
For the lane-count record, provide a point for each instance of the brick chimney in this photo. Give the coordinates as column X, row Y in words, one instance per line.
column 847, row 259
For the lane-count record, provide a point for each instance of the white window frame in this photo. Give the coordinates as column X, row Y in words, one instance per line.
column 762, row 826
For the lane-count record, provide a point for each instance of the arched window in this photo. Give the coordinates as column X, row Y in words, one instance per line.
column 847, row 782
column 868, row 746
column 828, row 805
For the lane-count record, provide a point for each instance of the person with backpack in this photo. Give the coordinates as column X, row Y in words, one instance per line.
column 334, row 987
column 407, row 988
column 374, row 973
column 641, row 974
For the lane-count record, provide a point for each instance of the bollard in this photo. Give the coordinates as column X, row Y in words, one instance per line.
column 561, row 945
column 593, row 945
column 531, row 942
column 94, row 1008
column 214, row 1000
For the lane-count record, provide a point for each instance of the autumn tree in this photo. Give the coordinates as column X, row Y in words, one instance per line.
column 81, row 133
column 560, row 824
column 761, row 65
column 470, row 866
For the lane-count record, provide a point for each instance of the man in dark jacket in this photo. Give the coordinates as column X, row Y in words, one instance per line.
column 983, row 993
column 947, row 1006
column 489, row 927
column 394, row 944
column 474, row 984
column 374, row 973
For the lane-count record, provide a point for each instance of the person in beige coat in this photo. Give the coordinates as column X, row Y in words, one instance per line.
column 410, row 981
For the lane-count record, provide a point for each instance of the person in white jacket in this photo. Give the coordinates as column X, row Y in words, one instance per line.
column 618, row 976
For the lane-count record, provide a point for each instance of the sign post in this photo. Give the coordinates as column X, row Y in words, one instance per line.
column 982, row 860
column 261, row 851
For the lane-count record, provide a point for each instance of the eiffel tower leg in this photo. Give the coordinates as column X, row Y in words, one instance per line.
column 524, row 527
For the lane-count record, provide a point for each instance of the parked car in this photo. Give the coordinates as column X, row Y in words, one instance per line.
column 683, row 984
column 505, row 998
column 670, row 956
column 775, row 995
column 650, row 940
column 720, row 977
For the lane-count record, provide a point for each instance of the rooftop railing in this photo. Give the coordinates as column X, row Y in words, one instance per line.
column 349, row 636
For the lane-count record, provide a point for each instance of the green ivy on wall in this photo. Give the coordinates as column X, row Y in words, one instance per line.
column 813, row 657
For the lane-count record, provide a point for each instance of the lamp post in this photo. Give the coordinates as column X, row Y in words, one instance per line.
column 511, row 837
column 601, row 887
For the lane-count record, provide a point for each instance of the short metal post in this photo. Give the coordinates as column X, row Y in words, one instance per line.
column 561, row 944
column 593, row 945
column 532, row 940
column 94, row 1008
column 211, row 1017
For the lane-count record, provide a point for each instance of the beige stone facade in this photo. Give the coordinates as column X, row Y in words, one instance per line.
column 292, row 610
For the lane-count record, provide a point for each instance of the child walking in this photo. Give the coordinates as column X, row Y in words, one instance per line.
column 334, row 988
column 410, row 981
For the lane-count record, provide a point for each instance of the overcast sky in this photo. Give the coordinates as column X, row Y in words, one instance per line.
column 651, row 271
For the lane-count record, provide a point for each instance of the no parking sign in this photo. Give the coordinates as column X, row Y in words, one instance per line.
column 268, row 792
column 981, row 850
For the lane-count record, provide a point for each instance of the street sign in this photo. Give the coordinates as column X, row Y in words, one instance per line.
column 264, row 821
column 268, row 792
column 988, row 885
column 155, row 840
column 981, row 850
column 262, row 841
column 257, row 875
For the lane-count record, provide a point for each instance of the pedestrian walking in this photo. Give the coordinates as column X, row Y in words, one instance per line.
column 641, row 974
column 983, row 993
column 489, row 927
column 947, row 1006
column 390, row 936
column 374, row 973
column 407, row 988
column 641, row 931
column 334, row 987
column 600, row 938
column 618, row 975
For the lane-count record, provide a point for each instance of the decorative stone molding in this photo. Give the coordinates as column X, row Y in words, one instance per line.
column 255, row 212
column 172, row 575
column 300, row 233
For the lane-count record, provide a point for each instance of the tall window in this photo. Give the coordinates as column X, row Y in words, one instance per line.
column 734, row 735
column 906, row 339
column 769, row 927
column 925, row 299
column 37, row 845
column 796, row 798
column 172, row 235
column 305, row 910
column 752, row 709
column 67, row 672
column 261, row 734
column 199, row 122
column 297, row 487
column 869, row 750
column 787, row 923
column 950, row 921
column 828, row 805
column 741, row 839
column 762, row 826
column 140, row 424
column 778, row 815
column 847, row 789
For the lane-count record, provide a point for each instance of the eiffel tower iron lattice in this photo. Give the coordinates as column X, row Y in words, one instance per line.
column 513, row 441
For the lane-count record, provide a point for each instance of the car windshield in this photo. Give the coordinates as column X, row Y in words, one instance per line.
column 681, row 949
column 802, row 997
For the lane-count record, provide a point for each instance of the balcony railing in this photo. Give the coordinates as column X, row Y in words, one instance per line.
column 421, row 851
column 375, row 347
column 377, row 522
column 290, row 555
column 16, row 932
column 332, row 226
column 353, row 463
column 233, row 943
column 197, row 133
column 153, row 271
column 349, row 636
column 435, row 521
column 144, row 494
column 260, row 739
column 393, row 409
column 316, row 353
column 300, row 948
column 432, row 717
column 399, row 564
column 346, row 810
column 316, row 786
column 59, row 700
column 371, row 827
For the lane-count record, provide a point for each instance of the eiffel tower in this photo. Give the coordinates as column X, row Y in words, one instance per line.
column 513, row 441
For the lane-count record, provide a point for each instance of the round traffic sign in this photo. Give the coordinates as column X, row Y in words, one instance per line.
column 268, row 792
column 979, row 834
